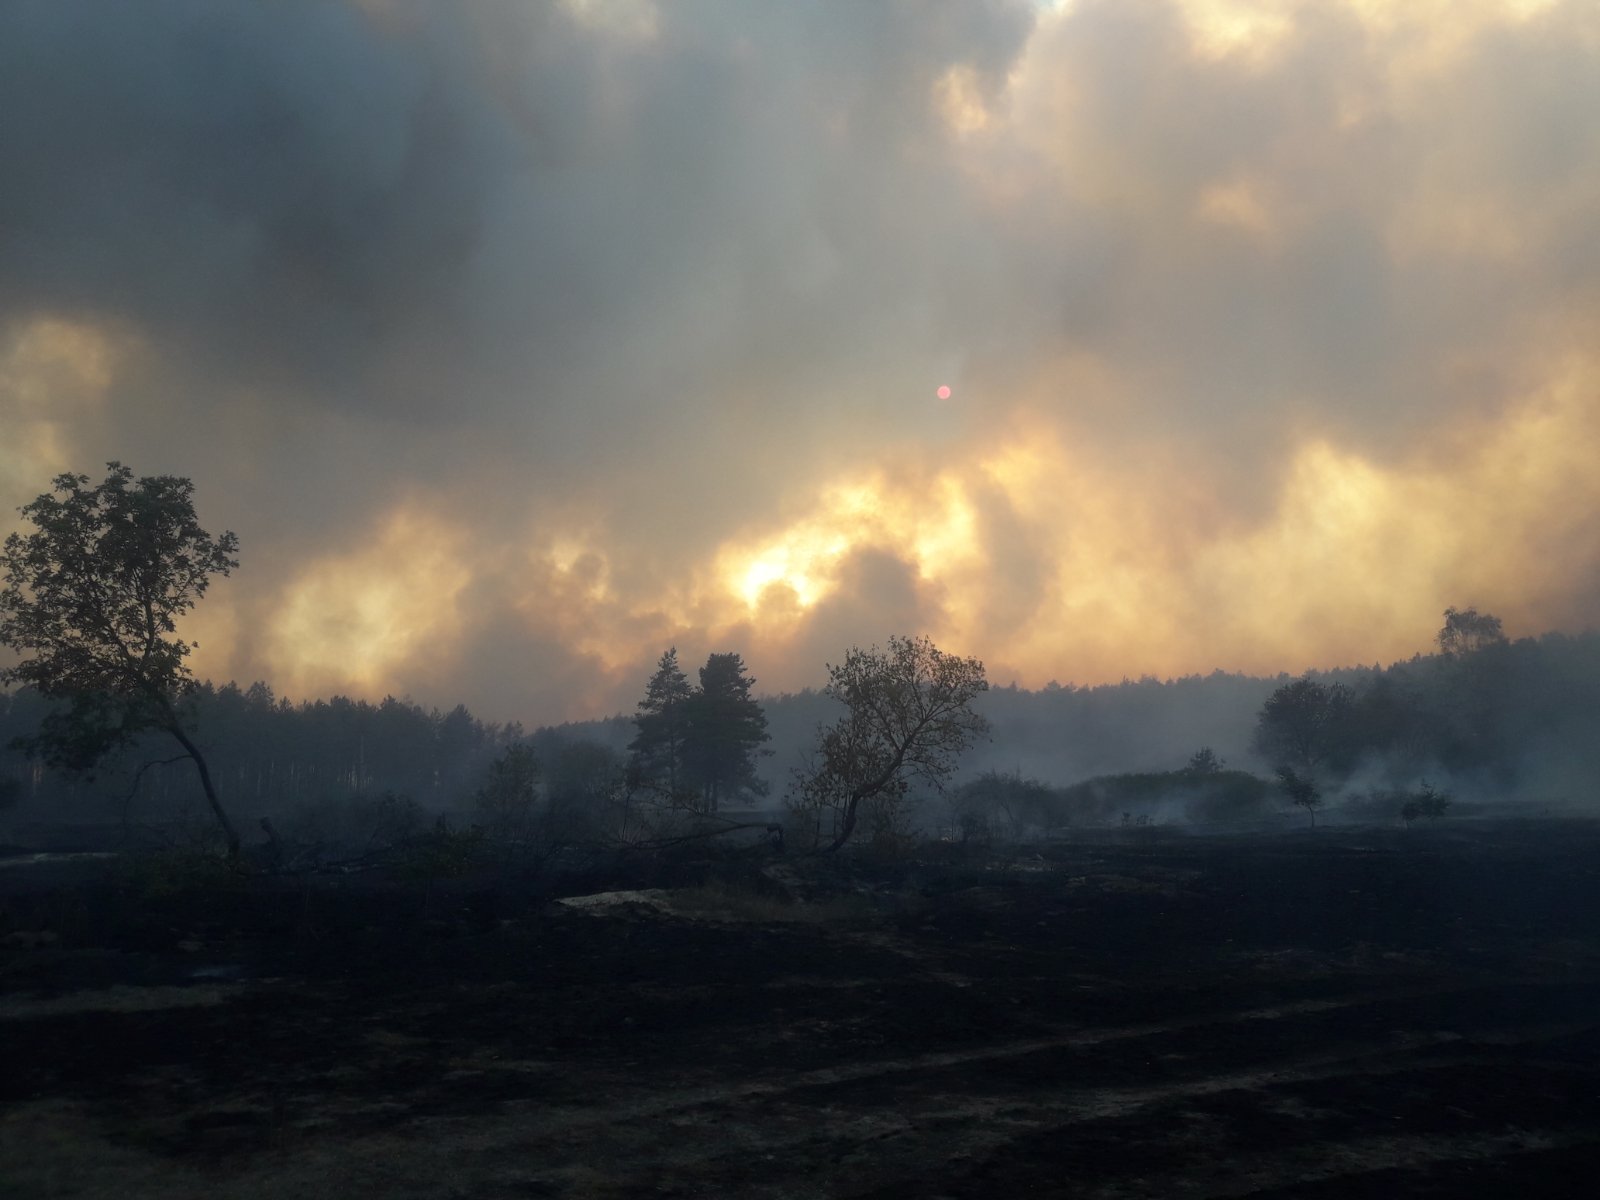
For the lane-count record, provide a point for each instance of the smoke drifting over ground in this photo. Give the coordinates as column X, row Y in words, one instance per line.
column 520, row 341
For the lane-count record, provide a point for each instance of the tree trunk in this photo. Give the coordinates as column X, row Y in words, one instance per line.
column 205, row 783
column 849, row 823
column 871, row 788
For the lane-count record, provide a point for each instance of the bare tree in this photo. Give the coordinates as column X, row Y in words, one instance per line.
column 909, row 717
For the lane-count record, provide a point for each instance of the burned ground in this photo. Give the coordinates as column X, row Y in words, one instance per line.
column 1367, row 1012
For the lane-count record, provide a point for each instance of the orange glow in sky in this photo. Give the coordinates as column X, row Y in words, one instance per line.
column 544, row 337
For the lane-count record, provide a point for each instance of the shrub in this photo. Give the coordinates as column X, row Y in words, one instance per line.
column 1427, row 801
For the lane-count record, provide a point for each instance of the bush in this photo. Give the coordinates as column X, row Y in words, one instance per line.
column 998, row 805
column 1427, row 801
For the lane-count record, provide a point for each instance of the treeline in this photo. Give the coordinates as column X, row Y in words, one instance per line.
column 1487, row 721
column 268, row 755
column 1009, row 807
column 1501, row 720
column 1498, row 716
column 109, row 568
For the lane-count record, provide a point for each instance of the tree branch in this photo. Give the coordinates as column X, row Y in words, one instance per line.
column 133, row 786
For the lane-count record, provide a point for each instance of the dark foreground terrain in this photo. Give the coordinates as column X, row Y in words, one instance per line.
column 1350, row 1013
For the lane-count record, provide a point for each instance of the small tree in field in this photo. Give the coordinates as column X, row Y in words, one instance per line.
column 909, row 717
column 1427, row 802
column 1302, row 792
column 91, row 602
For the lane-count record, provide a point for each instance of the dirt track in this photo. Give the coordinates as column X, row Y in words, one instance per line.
column 1355, row 1014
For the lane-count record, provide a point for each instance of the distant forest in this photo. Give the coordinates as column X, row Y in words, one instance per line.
column 1508, row 721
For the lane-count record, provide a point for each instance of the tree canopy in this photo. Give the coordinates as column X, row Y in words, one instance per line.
column 1301, row 724
column 695, row 747
column 1466, row 631
column 506, row 802
column 909, row 717
column 726, row 728
column 662, row 721
column 1302, row 791
column 91, row 603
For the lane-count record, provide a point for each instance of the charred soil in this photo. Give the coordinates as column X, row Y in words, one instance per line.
column 1354, row 1012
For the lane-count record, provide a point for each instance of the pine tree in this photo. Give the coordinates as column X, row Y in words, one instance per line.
column 726, row 728
column 656, row 761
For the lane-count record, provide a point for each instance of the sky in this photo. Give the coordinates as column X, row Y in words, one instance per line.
column 521, row 341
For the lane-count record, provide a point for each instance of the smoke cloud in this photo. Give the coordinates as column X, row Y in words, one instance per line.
column 520, row 341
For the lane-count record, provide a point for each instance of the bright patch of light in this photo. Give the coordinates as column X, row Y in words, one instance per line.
column 352, row 621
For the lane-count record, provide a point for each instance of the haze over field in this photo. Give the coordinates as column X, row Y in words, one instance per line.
column 520, row 341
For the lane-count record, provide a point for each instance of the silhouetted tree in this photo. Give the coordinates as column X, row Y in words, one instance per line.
column 399, row 745
column 586, row 785
column 1002, row 803
column 1476, row 676
column 1301, row 724
column 1388, row 714
column 1426, row 801
column 1467, row 631
column 724, row 733
column 909, row 717
column 505, row 804
column 1204, row 761
column 458, row 738
column 91, row 604
column 1302, row 792
column 662, row 721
